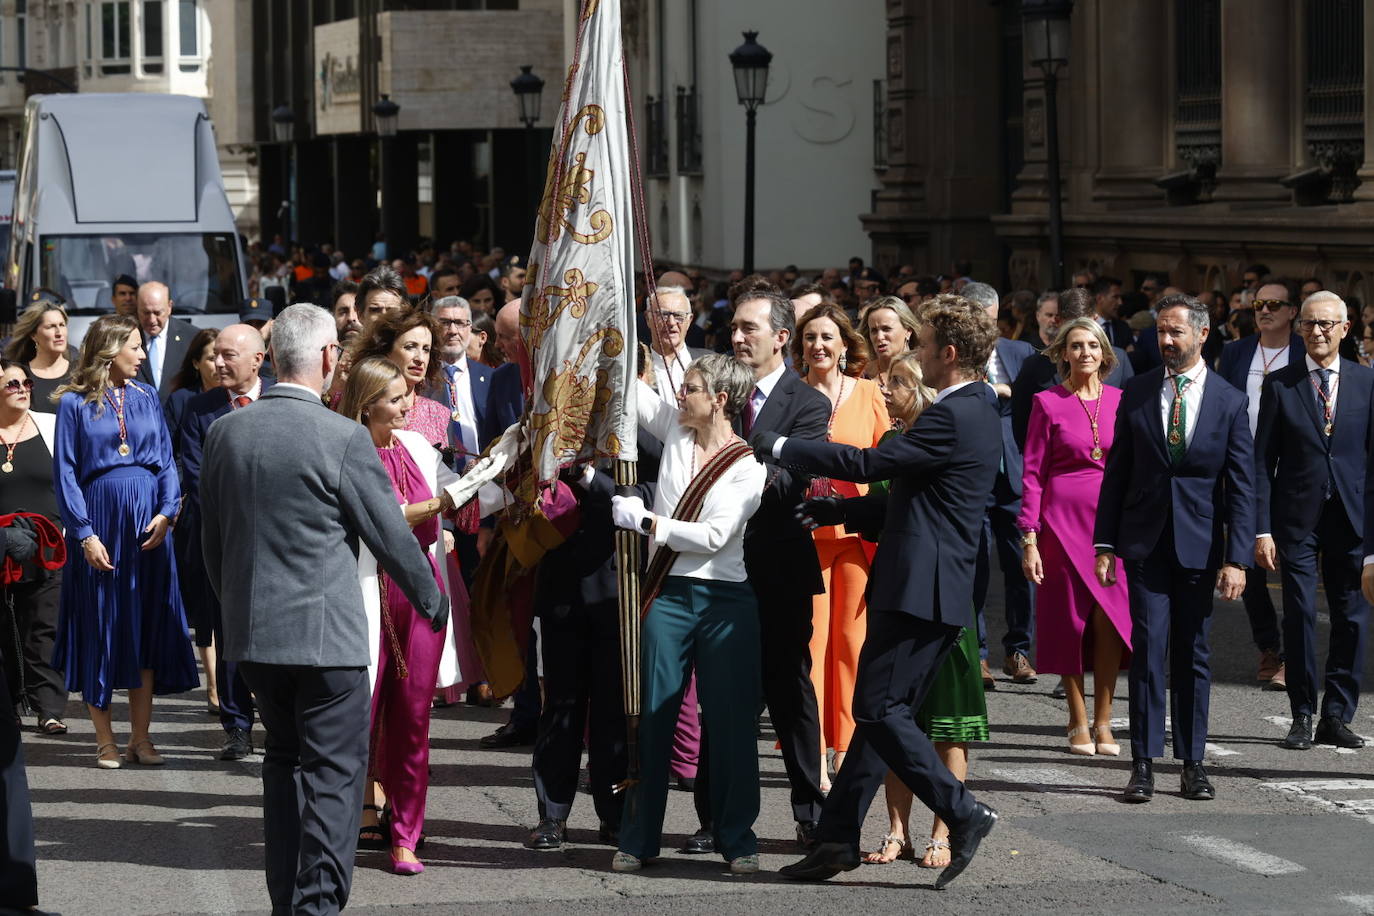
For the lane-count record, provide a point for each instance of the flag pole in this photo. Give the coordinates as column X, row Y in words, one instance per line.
column 627, row 576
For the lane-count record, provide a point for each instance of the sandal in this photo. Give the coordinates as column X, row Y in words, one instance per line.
column 880, row 857
column 150, row 758
column 374, row 836
column 52, row 726
column 933, row 846
column 107, row 763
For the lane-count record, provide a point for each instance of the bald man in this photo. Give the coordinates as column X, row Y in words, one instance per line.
column 239, row 352
column 165, row 339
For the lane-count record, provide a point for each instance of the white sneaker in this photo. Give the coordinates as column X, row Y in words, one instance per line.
column 623, row 861
column 744, row 865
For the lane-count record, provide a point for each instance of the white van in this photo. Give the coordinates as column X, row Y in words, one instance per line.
column 6, row 207
column 124, row 183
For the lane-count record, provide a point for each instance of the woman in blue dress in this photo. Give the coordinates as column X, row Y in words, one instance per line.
column 122, row 625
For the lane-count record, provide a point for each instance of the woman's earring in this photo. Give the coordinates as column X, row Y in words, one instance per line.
column 843, row 361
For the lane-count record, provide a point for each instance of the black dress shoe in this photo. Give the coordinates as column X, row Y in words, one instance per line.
column 1194, row 782
column 507, row 736
column 807, row 839
column 1141, row 788
column 237, row 745
column 1331, row 730
column 686, row 784
column 547, row 834
column 700, row 843
column 1299, row 737
column 825, row 861
column 608, row 834
column 963, row 842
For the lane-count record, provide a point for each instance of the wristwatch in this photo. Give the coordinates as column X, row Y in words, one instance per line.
column 1029, row 539
column 646, row 524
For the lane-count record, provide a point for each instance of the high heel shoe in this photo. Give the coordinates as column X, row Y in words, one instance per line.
column 1108, row 748
column 148, row 758
column 405, row 869
column 1086, row 749
column 107, row 763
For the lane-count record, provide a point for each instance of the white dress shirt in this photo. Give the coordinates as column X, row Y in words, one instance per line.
column 997, row 374
column 252, row 393
column 1334, row 383
column 1275, row 360
column 764, row 387
column 713, row 546
column 669, row 372
column 1192, row 399
column 459, row 397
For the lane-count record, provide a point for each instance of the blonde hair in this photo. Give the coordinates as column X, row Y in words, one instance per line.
column 1057, row 350
column 104, row 340
column 905, row 317
column 923, row 396
column 367, row 382
column 23, row 348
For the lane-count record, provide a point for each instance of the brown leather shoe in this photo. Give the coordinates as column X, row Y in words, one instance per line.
column 1280, row 679
column 988, row 682
column 1269, row 665
column 1018, row 668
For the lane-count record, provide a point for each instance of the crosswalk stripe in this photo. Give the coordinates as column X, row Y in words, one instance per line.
column 1241, row 856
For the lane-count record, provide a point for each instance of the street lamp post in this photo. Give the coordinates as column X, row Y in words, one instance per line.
column 1045, row 25
column 385, row 114
column 529, row 92
column 283, row 132
column 750, row 62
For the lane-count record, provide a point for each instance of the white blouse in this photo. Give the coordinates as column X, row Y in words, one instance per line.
column 713, row 546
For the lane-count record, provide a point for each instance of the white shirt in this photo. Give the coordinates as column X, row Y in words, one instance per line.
column 252, row 394
column 669, row 372
column 1192, row 399
column 996, row 374
column 1264, row 356
column 460, row 398
column 764, row 387
column 1334, row 383
column 713, row 546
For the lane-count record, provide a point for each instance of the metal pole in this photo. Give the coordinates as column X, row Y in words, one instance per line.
column 1052, row 153
column 749, row 190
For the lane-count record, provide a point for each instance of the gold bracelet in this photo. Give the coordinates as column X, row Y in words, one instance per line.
column 1029, row 539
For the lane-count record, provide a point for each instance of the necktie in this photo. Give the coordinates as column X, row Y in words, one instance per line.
column 452, row 372
column 748, row 422
column 1324, row 397
column 1178, row 421
column 155, row 359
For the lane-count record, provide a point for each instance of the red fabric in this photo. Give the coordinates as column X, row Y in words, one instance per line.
column 52, row 551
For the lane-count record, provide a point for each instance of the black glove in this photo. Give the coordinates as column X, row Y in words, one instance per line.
column 822, row 511
column 762, row 443
column 440, row 618
column 20, row 542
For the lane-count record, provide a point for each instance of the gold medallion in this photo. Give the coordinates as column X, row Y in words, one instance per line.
column 6, row 467
column 1097, row 454
column 1174, row 437
column 1328, row 429
column 124, row 448
column 456, row 416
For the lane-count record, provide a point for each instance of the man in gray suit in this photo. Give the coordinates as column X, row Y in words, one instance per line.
column 288, row 490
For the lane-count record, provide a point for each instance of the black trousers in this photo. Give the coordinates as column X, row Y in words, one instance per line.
column 785, row 637
column 235, row 699
column 582, row 695
column 312, row 780
column 28, row 629
column 898, row 664
column 1334, row 547
column 1259, row 607
column 18, row 863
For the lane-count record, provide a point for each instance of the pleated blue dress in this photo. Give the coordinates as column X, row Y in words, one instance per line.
column 112, row 625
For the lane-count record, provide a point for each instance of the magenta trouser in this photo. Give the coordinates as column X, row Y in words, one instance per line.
column 407, row 668
column 686, row 752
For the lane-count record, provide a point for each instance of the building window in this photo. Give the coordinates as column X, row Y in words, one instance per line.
column 656, row 137
column 688, row 131
column 152, row 36
column 1333, row 101
column 188, row 39
column 114, row 36
column 1197, row 106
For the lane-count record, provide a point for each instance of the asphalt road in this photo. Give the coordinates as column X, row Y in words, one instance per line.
column 1289, row 831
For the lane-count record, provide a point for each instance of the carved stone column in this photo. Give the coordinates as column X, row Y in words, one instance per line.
column 1258, row 131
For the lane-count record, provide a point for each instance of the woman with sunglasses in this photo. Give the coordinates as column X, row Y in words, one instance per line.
column 29, row 607
column 40, row 342
column 122, row 625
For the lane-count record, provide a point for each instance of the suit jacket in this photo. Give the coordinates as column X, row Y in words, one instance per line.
column 1236, row 356
column 1146, row 354
column 1296, row 465
column 779, row 553
column 932, row 519
column 580, row 573
column 1119, row 333
column 505, row 401
column 288, row 490
column 1213, row 485
column 1038, row 374
column 1013, row 354
column 176, row 338
column 188, row 443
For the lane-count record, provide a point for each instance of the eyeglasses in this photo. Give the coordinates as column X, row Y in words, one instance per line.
column 454, row 323
column 14, row 385
column 677, row 317
column 1270, row 305
column 1326, row 324
column 693, row 389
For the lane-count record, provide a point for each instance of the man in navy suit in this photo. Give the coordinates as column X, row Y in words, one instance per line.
column 1311, row 454
column 1107, row 304
column 1245, row 363
column 239, row 353
column 165, row 339
column 1177, row 500
column 921, row 586
column 1004, row 505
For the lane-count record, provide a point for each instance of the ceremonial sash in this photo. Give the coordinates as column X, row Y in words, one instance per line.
column 689, row 510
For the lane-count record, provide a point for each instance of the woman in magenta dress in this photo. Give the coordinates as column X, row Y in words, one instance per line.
column 1077, row 619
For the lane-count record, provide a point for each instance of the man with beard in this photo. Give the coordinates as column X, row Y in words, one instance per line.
column 1181, row 431
column 343, row 305
column 1246, row 363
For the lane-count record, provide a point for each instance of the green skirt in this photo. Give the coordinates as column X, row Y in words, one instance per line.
column 955, row 710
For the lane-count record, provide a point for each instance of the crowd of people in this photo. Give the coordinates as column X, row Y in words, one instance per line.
column 827, row 467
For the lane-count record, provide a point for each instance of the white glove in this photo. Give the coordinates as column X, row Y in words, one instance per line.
column 628, row 512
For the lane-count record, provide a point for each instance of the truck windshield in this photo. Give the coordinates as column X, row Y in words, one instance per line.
column 201, row 271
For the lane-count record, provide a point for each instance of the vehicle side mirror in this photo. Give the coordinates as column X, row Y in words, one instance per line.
column 9, row 306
